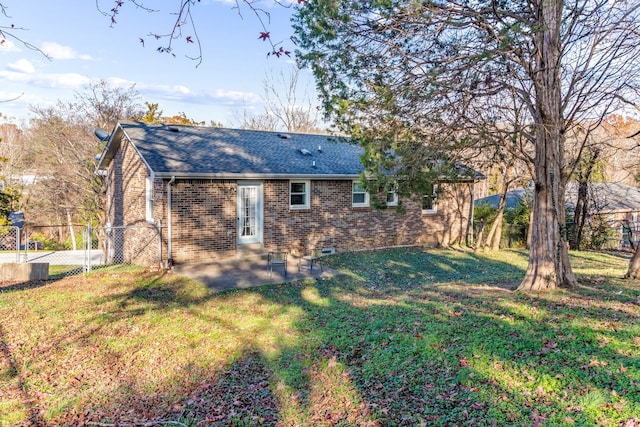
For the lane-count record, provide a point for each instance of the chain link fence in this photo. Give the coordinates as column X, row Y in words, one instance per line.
column 9, row 244
column 77, row 249
column 139, row 245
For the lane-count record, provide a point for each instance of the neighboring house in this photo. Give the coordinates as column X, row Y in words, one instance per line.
column 616, row 203
column 216, row 191
column 513, row 198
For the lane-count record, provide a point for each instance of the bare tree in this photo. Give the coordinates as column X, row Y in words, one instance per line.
column 11, row 32
column 293, row 108
column 286, row 106
column 184, row 26
column 62, row 138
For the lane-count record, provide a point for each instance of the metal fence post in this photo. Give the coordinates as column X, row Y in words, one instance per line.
column 25, row 256
column 17, row 231
column 87, row 246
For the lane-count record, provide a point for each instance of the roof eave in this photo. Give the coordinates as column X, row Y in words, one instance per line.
column 109, row 150
column 112, row 147
column 254, row 176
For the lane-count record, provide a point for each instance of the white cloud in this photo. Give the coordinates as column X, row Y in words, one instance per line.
column 21, row 66
column 179, row 93
column 66, row 80
column 15, row 76
column 58, row 51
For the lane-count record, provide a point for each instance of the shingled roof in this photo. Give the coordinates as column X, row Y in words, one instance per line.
column 605, row 197
column 206, row 152
column 217, row 153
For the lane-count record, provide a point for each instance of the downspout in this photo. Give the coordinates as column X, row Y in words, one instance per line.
column 169, row 222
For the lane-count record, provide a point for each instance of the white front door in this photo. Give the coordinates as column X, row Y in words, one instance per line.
column 249, row 212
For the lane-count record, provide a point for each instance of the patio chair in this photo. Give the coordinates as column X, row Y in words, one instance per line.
column 277, row 258
column 312, row 258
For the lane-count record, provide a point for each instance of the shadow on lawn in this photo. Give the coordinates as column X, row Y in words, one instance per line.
column 404, row 338
column 26, row 285
column 14, row 385
column 444, row 356
column 409, row 268
column 457, row 361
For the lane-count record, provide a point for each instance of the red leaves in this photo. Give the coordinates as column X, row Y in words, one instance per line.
column 264, row 35
column 189, row 40
column 302, row 1
column 279, row 52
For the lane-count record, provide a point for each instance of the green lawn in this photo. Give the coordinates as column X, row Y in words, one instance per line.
column 404, row 337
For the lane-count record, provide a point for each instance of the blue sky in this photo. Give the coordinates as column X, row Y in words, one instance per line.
column 84, row 47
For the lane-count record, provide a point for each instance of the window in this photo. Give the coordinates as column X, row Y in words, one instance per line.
column 430, row 199
column 359, row 197
column 299, row 194
column 392, row 198
column 149, row 199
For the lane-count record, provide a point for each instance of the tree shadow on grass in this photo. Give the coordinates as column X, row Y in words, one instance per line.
column 408, row 268
column 444, row 356
column 18, row 285
column 373, row 347
column 236, row 394
column 461, row 362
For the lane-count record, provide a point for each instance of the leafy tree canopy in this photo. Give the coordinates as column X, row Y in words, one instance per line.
column 452, row 79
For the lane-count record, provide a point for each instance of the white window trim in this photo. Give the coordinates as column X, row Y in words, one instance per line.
column 365, row 204
column 149, row 182
column 435, row 201
column 307, row 194
column 394, row 202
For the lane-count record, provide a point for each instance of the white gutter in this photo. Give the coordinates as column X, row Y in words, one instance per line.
column 169, row 253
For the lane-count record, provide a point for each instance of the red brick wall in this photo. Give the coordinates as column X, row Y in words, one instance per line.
column 332, row 221
column 204, row 215
column 204, row 219
column 126, row 206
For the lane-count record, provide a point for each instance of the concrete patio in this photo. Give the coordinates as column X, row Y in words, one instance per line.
column 229, row 274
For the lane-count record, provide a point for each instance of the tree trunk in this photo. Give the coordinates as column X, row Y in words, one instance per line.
column 579, row 215
column 549, row 266
column 71, row 231
column 495, row 234
column 582, row 202
column 480, row 237
column 634, row 266
column 530, row 228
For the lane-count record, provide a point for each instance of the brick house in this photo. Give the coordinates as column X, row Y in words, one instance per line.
column 214, row 192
